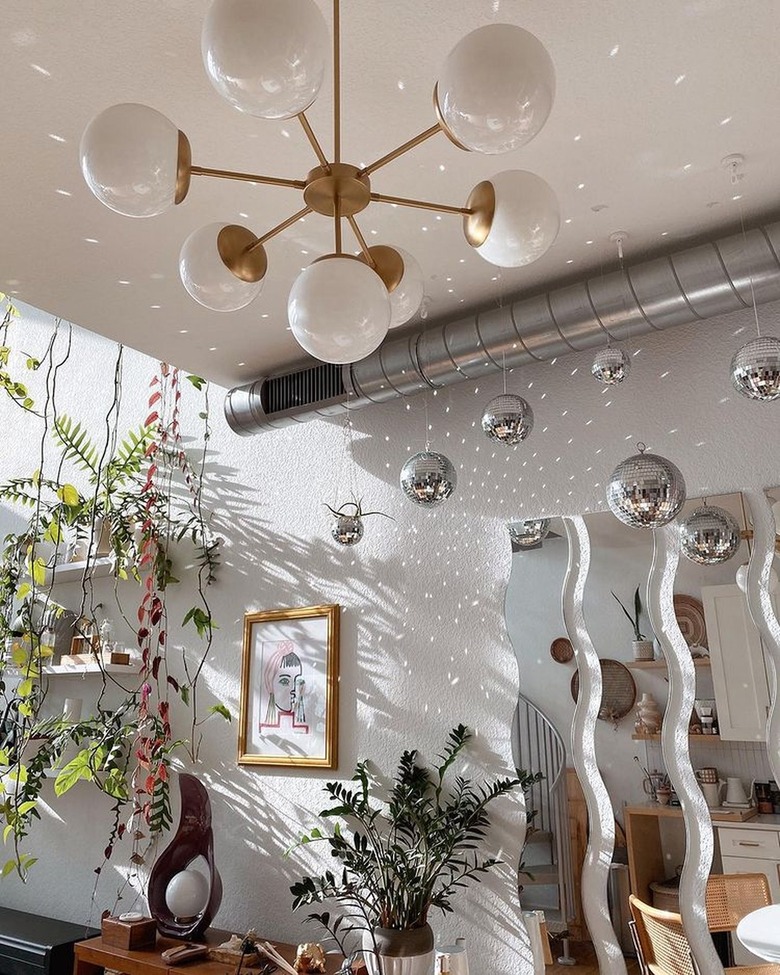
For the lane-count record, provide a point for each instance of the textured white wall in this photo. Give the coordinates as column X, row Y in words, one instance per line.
column 424, row 643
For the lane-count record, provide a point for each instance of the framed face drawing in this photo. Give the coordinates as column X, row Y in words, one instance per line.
column 289, row 688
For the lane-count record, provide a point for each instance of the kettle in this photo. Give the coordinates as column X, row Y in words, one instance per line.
column 735, row 792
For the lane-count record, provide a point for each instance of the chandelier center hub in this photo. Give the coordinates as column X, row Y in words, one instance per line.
column 337, row 186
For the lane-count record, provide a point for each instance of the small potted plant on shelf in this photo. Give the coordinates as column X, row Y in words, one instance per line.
column 401, row 854
column 641, row 646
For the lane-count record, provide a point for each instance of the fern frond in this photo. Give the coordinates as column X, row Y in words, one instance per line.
column 75, row 441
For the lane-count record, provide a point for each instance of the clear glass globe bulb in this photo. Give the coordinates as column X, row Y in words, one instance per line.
column 339, row 309
column 741, row 579
column 266, row 57
column 496, row 88
column 206, row 276
column 129, row 158
column 407, row 296
column 525, row 219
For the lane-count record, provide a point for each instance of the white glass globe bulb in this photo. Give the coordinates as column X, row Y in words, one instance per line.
column 339, row 309
column 187, row 894
column 266, row 57
column 496, row 89
column 407, row 296
column 525, row 219
column 206, row 276
column 130, row 159
column 742, row 572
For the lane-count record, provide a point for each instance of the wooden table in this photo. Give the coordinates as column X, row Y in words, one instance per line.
column 93, row 957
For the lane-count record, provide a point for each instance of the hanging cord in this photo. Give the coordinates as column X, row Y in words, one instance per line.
column 736, row 177
column 427, row 424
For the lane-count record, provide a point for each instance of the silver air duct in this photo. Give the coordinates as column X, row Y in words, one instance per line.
column 677, row 289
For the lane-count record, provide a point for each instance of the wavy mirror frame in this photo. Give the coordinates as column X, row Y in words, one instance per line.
column 759, row 602
column 699, row 835
column 601, row 820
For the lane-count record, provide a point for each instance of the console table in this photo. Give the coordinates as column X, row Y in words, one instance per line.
column 93, row 957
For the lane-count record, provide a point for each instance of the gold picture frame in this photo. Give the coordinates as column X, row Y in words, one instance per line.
column 290, row 688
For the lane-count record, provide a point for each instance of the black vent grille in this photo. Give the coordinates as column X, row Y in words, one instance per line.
column 316, row 385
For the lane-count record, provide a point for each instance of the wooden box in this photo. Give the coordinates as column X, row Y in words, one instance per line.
column 129, row 935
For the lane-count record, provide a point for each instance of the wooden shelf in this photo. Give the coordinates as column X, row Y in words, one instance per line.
column 661, row 664
column 709, row 739
column 74, row 571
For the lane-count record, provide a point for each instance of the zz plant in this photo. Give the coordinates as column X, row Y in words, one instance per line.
column 404, row 853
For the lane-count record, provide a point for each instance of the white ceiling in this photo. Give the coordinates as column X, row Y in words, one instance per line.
column 650, row 97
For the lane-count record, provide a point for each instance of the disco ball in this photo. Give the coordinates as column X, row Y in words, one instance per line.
column 428, row 478
column 508, row 419
column 755, row 369
column 646, row 491
column 610, row 366
column 529, row 534
column 710, row 535
column 348, row 530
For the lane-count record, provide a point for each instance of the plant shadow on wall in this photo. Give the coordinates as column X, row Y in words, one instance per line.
column 141, row 495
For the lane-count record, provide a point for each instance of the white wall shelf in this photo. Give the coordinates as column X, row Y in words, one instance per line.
column 74, row 571
column 81, row 670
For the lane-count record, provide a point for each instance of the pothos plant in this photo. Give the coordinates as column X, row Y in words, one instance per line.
column 405, row 852
column 148, row 491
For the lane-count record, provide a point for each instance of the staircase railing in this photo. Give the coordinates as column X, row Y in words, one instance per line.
column 537, row 746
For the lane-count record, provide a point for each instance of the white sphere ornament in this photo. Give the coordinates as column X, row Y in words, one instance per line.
column 710, row 535
column 266, row 57
column 610, row 366
column 187, row 894
column 428, row 478
column 755, row 369
column 206, row 275
column 507, row 419
column 496, row 89
column 339, row 309
column 407, row 296
column 742, row 574
column 646, row 490
column 135, row 160
column 514, row 218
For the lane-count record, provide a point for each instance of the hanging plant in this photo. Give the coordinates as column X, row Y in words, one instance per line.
column 148, row 493
column 348, row 529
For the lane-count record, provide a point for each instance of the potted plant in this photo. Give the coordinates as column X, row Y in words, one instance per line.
column 401, row 853
column 348, row 529
column 641, row 646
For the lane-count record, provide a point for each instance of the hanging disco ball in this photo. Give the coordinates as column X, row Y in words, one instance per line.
column 710, row 535
column 348, row 530
column 428, row 478
column 755, row 369
column 529, row 534
column 610, row 366
column 646, row 491
column 508, row 419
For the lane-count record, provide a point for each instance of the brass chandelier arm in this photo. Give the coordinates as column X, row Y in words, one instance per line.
column 402, row 201
column 406, row 147
column 315, row 144
column 295, row 184
column 362, row 241
column 336, row 81
column 337, row 226
column 279, row 228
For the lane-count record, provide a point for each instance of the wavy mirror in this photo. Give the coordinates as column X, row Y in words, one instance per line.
column 656, row 772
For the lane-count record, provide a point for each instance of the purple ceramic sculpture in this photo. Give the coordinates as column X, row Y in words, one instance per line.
column 194, row 838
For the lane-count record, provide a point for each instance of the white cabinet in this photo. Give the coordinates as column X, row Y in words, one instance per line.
column 751, row 850
column 738, row 669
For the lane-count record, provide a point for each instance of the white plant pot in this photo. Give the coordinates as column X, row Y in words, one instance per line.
column 399, row 952
column 643, row 649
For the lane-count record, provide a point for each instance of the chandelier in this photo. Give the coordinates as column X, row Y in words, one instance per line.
column 268, row 59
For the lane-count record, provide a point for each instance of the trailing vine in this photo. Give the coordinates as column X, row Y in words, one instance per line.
column 146, row 493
